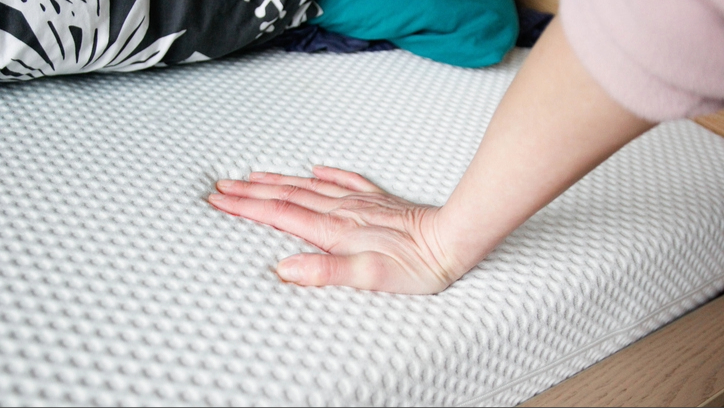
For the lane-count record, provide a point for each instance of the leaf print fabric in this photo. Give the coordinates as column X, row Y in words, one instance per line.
column 59, row 37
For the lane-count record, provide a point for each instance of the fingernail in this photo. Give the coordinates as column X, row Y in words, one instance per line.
column 256, row 176
column 217, row 197
column 225, row 183
column 289, row 271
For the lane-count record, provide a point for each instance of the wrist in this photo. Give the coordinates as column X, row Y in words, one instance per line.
column 452, row 250
column 462, row 242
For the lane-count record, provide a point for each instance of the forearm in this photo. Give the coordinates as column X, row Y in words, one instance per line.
column 554, row 125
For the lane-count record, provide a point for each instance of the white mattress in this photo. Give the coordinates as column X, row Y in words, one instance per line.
column 120, row 285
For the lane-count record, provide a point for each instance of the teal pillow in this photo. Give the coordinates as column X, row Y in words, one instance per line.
column 466, row 33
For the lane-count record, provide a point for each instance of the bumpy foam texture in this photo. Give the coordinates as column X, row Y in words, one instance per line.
column 120, row 285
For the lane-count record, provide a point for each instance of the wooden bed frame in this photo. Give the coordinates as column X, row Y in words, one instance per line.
column 680, row 365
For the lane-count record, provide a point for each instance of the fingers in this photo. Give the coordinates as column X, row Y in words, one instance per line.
column 355, row 271
column 311, row 184
column 330, row 182
column 297, row 195
column 283, row 215
column 349, row 180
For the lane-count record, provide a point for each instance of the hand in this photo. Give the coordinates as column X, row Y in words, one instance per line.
column 374, row 241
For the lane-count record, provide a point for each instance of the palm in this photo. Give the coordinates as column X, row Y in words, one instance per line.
column 374, row 241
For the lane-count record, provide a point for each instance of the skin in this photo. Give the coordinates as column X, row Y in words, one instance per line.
column 554, row 125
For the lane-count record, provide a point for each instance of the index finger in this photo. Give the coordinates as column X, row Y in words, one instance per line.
column 312, row 184
column 282, row 215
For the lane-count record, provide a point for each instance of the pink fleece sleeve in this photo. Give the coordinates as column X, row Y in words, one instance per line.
column 661, row 59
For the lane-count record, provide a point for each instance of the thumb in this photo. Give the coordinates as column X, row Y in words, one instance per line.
column 359, row 271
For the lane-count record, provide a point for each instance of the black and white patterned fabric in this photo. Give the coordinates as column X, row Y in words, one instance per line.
column 59, row 37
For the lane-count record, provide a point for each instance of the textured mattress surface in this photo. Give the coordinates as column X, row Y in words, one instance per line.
column 120, row 285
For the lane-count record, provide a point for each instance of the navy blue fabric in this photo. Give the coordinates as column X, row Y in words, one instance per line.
column 532, row 25
column 312, row 38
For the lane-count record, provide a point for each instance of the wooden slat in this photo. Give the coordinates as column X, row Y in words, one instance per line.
column 680, row 365
column 714, row 122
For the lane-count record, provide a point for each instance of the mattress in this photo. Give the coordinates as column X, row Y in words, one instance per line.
column 120, row 285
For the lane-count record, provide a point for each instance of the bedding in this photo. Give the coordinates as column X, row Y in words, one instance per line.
column 120, row 285
column 313, row 39
column 465, row 33
column 58, row 37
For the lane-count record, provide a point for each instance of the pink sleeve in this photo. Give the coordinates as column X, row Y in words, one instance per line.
column 661, row 59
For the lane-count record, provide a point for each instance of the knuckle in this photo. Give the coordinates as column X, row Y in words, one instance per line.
column 239, row 186
column 323, row 272
column 288, row 192
column 277, row 206
column 314, row 184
